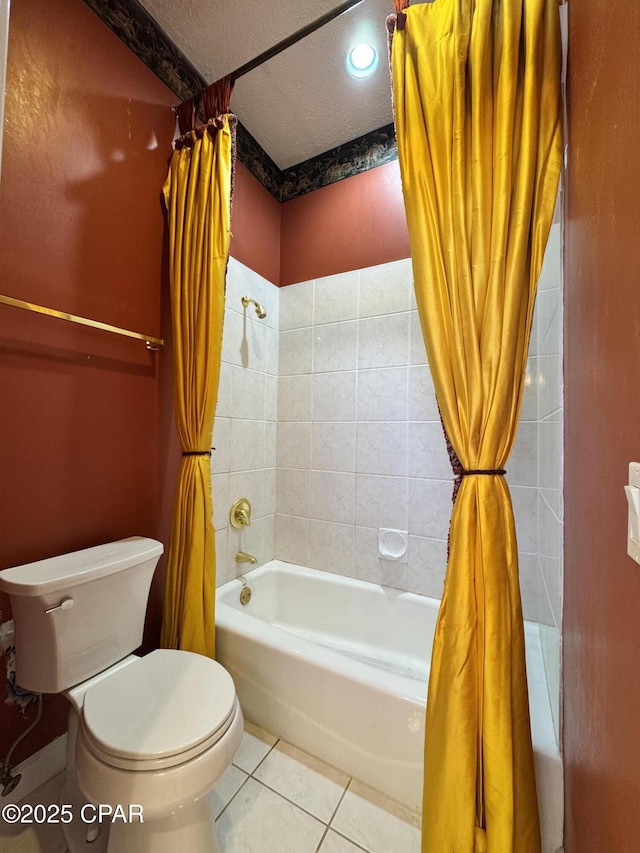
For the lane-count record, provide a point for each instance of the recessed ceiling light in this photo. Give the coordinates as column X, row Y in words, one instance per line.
column 362, row 60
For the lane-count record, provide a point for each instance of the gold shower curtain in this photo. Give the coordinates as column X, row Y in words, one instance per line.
column 198, row 197
column 477, row 98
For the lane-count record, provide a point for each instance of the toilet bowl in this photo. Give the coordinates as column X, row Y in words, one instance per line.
column 143, row 739
column 148, row 736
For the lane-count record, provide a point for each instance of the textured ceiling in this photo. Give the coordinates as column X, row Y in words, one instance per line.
column 302, row 102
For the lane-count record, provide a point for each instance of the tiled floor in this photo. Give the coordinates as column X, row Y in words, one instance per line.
column 274, row 799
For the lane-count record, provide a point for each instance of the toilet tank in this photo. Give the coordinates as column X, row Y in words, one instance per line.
column 79, row 613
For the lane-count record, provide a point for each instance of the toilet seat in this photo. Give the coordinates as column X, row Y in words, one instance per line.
column 143, row 717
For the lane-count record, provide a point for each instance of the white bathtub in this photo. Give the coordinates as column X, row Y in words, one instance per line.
column 339, row 668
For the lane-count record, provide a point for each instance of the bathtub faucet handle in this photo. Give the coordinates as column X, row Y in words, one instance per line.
column 240, row 513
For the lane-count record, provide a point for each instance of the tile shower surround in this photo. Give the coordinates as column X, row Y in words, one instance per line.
column 244, row 433
column 327, row 422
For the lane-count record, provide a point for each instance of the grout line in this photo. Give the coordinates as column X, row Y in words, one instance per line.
column 235, row 794
column 346, row 788
column 551, row 609
column 542, row 490
column 341, row 834
column 350, row 840
column 290, row 801
column 250, row 773
column 248, row 776
column 262, row 760
column 352, row 569
column 546, row 418
column 324, row 835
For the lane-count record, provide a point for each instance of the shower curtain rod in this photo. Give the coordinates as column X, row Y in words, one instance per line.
column 292, row 39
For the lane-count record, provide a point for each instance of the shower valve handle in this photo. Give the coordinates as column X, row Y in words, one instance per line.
column 240, row 513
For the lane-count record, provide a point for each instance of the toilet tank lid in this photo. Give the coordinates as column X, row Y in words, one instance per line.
column 57, row 573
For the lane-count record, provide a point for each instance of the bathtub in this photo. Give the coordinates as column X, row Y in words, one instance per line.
column 339, row 668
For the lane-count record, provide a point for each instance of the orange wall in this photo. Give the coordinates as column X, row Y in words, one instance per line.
column 255, row 226
column 83, row 447
column 601, row 646
column 88, row 448
column 355, row 223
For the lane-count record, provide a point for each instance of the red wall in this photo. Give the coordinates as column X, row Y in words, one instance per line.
column 255, row 226
column 83, row 435
column 87, row 443
column 601, row 646
column 355, row 223
column 88, row 449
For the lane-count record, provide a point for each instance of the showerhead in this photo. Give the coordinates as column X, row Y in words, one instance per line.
column 260, row 312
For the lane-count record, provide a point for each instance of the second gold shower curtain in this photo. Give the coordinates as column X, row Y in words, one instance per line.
column 477, row 98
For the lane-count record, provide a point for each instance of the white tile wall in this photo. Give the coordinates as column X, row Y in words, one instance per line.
column 244, row 433
column 357, row 378
column 548, row 383
column 327, row 422
column 360, row 444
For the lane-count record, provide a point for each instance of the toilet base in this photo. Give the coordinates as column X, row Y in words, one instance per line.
column 191, row 828
column 77, row 833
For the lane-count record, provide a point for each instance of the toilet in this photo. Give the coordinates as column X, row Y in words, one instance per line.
column 148, row 736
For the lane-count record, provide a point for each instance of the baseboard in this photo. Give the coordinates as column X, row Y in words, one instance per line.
column 38, row 769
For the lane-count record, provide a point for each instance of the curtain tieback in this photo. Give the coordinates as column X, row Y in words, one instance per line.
column 496, row 472
column 401, row 18
column 197, row 452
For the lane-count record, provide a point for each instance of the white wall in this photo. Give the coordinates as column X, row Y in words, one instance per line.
column 360, row 444
column 327, row 422
column 244, row 433
column 546, row 372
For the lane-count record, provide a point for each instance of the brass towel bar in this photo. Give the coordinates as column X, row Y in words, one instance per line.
column 151, row 343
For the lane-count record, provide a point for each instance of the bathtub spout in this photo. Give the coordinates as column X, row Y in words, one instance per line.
column 243, row 557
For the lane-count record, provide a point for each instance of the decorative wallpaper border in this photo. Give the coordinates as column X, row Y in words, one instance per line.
column 368, row 151
column 252, row 155
column 142, row 34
